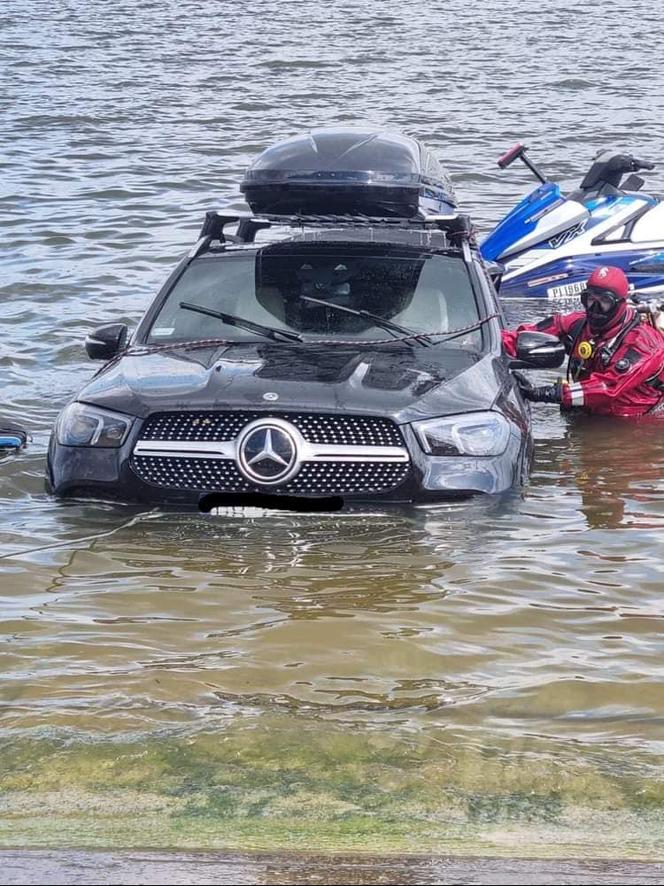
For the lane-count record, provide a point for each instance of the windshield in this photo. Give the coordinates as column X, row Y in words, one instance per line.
column 304, row 290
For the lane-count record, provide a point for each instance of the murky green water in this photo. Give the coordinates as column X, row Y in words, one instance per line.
column 483, row 677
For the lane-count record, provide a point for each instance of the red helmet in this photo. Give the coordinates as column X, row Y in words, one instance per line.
column 611, row 279
column 605, row 298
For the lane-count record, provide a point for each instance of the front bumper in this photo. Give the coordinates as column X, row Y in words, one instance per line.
column 113, row 474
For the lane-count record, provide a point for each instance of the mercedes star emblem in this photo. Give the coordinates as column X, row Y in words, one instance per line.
column 267, row 451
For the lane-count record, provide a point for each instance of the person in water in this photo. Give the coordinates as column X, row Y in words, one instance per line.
column 616, row 362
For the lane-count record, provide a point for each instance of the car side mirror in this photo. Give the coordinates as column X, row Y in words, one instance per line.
column 107, row 341
column 538, row 350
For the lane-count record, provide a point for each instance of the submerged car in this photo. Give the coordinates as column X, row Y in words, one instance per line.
column 342, row 342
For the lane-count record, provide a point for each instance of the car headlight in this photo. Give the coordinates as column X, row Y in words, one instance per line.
column 82, row 425
column 476, row 433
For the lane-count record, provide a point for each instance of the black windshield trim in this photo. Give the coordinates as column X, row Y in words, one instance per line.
column 139, row 350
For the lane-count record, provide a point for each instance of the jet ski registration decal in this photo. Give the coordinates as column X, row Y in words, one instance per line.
column 566, row 290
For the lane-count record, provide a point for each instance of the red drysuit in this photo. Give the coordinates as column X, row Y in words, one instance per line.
column 624, row 374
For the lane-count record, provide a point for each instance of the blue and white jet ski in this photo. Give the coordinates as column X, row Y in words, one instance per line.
column 550, row 243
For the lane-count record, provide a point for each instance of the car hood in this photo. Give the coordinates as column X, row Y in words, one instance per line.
column 402, row 383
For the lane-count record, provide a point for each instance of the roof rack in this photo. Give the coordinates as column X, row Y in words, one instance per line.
column 458, row 228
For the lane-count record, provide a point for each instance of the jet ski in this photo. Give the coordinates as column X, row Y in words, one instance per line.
column 550, row 243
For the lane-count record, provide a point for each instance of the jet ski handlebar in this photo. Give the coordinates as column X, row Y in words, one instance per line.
column 640, row 164
column 514, row 153
column 653, row 306
column 518, row 152
column 607, row 168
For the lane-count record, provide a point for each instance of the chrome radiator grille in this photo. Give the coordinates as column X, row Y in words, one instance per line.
column 290, row 453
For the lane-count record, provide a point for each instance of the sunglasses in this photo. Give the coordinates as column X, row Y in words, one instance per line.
column 603, row 299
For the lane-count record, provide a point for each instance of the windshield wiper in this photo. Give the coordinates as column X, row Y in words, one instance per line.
column 420, row 337
column 249, row 325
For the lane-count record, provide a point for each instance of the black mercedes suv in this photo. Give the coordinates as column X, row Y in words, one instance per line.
column 341, row 341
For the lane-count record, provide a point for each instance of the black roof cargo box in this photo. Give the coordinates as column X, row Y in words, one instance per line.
column 351, row 171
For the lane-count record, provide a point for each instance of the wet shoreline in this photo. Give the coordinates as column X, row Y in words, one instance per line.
column 146, row 867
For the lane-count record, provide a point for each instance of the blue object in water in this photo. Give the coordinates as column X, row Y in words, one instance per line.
column 12, row 437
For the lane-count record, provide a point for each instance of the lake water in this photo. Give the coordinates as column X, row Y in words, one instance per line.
column 478, row 678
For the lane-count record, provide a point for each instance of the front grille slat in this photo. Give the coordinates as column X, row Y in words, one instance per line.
column 331, row 478
column 315, row 427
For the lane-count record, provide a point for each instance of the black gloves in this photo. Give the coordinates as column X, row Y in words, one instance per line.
column 543, row 394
